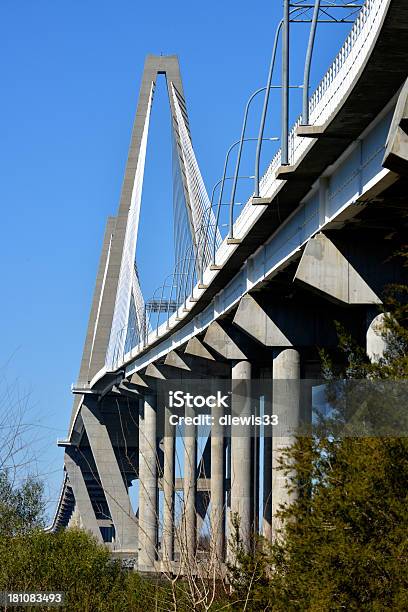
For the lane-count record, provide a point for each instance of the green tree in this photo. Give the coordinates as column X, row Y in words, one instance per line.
column 21, row 505
column 344, row 544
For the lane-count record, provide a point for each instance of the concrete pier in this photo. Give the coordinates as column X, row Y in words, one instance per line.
column 148, row 492
column 217, row 486
column 188, row 540
column 110, row 476
column 286, row 404
column 241, row 456
column 168, row 489
column 267, row 478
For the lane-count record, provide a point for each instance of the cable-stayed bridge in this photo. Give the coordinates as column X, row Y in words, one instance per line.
column 253, row 295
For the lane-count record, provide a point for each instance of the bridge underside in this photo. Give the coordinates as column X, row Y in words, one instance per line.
column 187, row 494
column 259, row 345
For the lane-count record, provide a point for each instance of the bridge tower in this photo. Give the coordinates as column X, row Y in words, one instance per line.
column 98, row 480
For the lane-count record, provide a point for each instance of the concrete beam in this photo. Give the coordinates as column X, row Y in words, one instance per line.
column 126, row 389
column 203, row 484
column 253, row 320
column 197, row 349
column 325, row 268
column 396, row 152
column 136, row 379
column 163, row 371
column 174, row 360
column 222, row 342
column 279, row 321
column 202, row 366
column 153, row 371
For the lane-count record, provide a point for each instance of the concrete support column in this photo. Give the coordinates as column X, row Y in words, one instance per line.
column 267, row 477
column 168, row 489
column 148, row 492
column 241, row 456
column 188, row 537
column 217, row 486
column 110, row 476
column 286, row 404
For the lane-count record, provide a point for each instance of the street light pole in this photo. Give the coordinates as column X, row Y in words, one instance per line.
column 285, row 86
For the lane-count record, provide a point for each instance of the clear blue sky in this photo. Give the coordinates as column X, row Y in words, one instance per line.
column 70, row 76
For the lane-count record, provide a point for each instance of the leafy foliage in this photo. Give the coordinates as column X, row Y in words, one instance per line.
column 344, row 544
column 21, row 505
column 73, row 562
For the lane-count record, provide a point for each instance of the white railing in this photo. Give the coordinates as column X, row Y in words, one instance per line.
column 127, row 267
column 335, row 85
